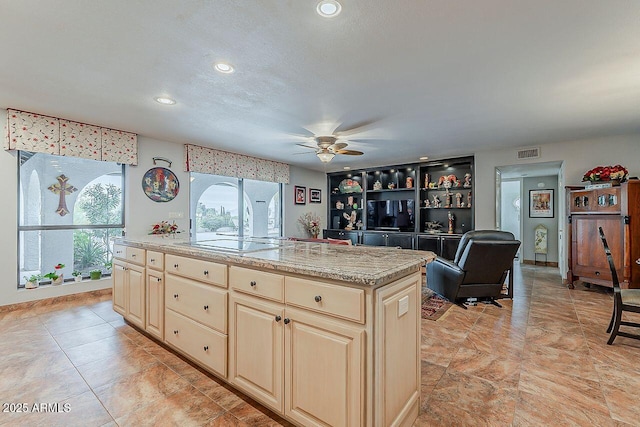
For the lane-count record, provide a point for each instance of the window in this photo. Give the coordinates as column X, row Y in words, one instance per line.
column 219, row 204
column 69, row 209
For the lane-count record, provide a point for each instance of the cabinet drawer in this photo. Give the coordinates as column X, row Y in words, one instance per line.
column 202, row 344
column 204, row 271
column 119, row 252
column 198, row 301
column 347, row 303
column 257, row 283
column 155, row 260
column 594, row 272
column 135, row 255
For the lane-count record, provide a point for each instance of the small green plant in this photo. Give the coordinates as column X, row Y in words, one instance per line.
column 95, row 274
column 54, row 275
column 34, row 278
column 76, row 273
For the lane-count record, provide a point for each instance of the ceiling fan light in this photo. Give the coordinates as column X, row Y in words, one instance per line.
column 325, row 157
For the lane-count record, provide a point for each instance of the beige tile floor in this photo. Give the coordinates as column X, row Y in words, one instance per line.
column 541, row 360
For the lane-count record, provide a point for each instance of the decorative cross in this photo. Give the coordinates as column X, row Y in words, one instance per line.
column 62, row 188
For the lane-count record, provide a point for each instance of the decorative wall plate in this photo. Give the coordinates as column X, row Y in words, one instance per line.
column 160, row 184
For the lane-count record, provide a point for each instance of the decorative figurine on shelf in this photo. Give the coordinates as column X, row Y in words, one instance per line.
column 409, row 182
column 433, row 185
column 339, row 205
column 377, row 185
column 447, row 181
column 459, row 201
column 350, row 201
column 467, row 180
column 359, row 225
column 451, row 219
column 391, row 186
column 448, row 200
column 433, row 226
column 351, row 220
column 426, row 180
column 437, row 203
column 469, row 200
column 427, row 203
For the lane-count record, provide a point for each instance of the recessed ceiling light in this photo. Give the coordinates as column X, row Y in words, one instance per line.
column 224, row 68
column 328, row 8
column 424, row 158
column 164, row 100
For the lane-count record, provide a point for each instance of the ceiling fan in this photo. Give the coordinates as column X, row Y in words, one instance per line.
column 328, row 147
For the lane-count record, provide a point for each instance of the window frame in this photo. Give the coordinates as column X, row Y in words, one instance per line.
column 23, row 228
column 241, row 205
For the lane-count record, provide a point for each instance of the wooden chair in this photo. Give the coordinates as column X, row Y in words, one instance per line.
column 623, row 300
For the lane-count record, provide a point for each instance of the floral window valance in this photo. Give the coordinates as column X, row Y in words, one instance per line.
column 216, row 162
column 44, row 134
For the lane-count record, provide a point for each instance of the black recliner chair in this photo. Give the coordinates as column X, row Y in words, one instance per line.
column 483, row 260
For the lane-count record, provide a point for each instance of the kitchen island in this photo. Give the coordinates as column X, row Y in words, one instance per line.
column 321, row 334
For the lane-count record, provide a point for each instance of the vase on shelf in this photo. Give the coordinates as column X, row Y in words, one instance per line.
column 58, row 280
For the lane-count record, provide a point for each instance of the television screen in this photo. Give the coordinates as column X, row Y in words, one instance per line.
column 390, row 215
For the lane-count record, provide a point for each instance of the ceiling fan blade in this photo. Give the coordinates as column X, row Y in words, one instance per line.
column 307, row 146
column 338, row 146
column 349, row 129
column 349, row 152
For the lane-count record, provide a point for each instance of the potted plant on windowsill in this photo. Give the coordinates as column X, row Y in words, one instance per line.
column 95, row 274
column 32, row 281
column 56, row 279
column 77, row 275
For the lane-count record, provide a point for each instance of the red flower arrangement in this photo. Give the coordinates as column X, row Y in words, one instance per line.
column 606, row 173
column 164, row 227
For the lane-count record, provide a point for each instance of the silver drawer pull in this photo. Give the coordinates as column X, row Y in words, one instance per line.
column 206, row 307
column 318, row 298
column 175, row 265
column 253, row 283
column 175, row 332
column 175, row 296
column 206, row 348
column 152, row 260
column 206, row 272
column 158, row 279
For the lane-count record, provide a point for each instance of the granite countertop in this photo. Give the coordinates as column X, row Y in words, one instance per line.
column 358, row 265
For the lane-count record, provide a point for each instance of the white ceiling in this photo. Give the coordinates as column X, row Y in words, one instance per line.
column 397, row 79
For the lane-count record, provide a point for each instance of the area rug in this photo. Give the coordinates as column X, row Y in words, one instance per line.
column 433, row 305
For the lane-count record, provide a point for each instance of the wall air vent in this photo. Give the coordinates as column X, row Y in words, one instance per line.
column 529, row 153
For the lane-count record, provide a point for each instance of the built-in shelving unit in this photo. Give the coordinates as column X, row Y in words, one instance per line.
column 421, row 206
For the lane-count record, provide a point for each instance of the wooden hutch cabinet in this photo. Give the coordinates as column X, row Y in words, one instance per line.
column 617, row 211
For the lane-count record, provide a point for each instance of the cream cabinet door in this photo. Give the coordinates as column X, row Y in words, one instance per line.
column 155, row 304
column 135, row 285
column 119, row 293
column 324, row 370
column 255, row 349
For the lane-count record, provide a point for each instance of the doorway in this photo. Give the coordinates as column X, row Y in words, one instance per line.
column 514, row 186
column 510, row 202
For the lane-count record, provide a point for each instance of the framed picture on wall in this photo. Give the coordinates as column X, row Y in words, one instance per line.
column 540, row 203
column 299, row 195
column 314, row 195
